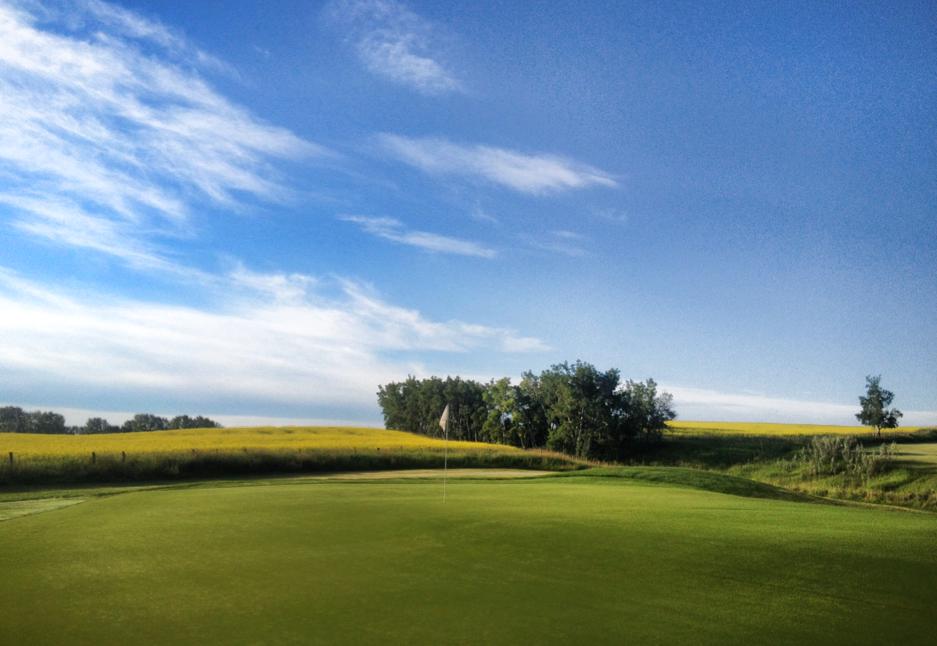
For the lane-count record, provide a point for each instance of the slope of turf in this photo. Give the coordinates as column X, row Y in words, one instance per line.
column 595, row 558
column 694, row 479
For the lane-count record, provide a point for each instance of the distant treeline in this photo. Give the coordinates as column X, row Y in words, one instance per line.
column 15, row 420
column 572, row 408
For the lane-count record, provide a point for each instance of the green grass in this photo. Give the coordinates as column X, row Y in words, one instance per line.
column 640, row 555
column 909, row 481
column 919, row 455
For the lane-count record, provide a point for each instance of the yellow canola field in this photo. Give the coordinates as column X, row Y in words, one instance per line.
column 763, row 428
column 288, row 438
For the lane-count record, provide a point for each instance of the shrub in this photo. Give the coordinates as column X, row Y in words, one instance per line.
column 832, row 455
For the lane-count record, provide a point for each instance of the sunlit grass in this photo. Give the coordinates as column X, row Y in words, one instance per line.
column 641, row 556
column 765, row 428
column 195, row 453
column 222, row 439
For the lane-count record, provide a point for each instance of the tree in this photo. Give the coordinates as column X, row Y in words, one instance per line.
column 501, row 399
column 530, row 413
column 13, row 419
column 874, row 409
column 585, row 410
column 573, row 408
column 648, row 410
column 96, row 425
column 145, row 422
column 45, row 422
column 416, row 404
column 184, row 421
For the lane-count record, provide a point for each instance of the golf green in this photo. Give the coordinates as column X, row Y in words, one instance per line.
column 544, row 560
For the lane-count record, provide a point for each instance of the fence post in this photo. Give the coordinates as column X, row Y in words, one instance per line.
column 11, row 458
column 94, row 458
column 123, row 456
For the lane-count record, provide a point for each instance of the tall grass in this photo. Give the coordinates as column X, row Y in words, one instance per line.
column 845, row 455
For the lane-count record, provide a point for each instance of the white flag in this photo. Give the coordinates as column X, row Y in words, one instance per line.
column 444, row 420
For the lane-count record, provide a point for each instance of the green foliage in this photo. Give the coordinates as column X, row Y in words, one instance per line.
column 15, row 420
column 184, row 421
column 845, row 455
column 501, row 402
column 572, row 408
column 142, row 422
column 586, row 411
column 874, row 405
column 98, row 425
column 416, row 404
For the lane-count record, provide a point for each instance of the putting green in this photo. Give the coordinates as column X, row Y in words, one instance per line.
column 574, row 559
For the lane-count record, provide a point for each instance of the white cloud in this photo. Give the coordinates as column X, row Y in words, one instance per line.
column 394, row 42
column 705, row 404
column 126, row 140
column 278, row 339
column 281, row 287
column 394, row 230
column 132, row 24
column 566, row 243
column 480, row 214
column 526, row 173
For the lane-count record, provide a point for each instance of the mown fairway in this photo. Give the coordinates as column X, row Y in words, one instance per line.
column 569, row 559
column 768, row 429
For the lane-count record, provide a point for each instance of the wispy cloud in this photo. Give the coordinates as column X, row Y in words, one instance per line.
column 133, row 25
column 274, row 338
column 567, row 243
column 104, row 142
column 394, row 230
column 480, row 214
column 528, row 173
column 617, row 216
column 281, row 287
column 394, row 42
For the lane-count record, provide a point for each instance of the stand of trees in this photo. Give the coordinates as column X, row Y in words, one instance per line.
column 15, row 420
column 147, row 422
column 573, row 408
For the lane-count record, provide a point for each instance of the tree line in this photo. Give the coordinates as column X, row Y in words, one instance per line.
column 572, row 408
column 15, row 420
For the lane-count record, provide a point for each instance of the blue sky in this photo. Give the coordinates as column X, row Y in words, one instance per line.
column 265, row 209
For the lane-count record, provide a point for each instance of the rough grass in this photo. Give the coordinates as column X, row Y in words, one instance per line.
column 195, row 453
column 594, row 559
column 909, row 481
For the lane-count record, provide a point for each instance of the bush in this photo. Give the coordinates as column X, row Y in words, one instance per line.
column 835, row 455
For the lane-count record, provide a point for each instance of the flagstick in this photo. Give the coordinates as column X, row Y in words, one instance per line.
column 445, row 462
column 444, row 425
